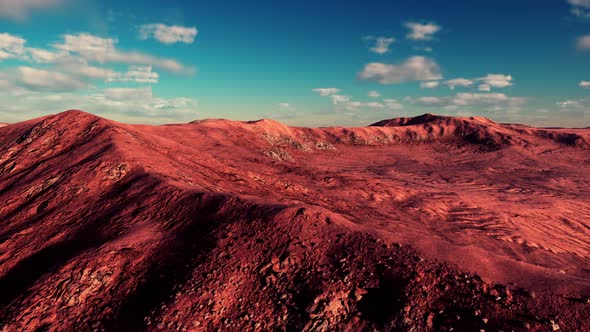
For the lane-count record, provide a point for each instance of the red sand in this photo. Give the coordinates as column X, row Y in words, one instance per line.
column 430, row 223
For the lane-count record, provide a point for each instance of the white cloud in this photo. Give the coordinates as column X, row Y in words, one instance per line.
column 486, row 83
column 458, row 82
column 451, row 108
column 420, row 31
column 346, row 102
column 493, row 101
column 429, row 100
column 286, row 107
column 118, row 94
column 581, row 3
column 386, row 105
column 138, row 74
column 337, row 99
column 140, row 102
column 392, row 104
column 39, row 79
column 373, row 104
column 123, row 104
column 584, row 85
column 584, row 42
column 357, row 105
column 430, row 84
column 324, row 92
column 168, row 34
column 70, row 74
column 374, row 94
column 572, row 103
column 11, row 46
column 416, row 68
column 484, row 87
column 497, row 80
column 81, row 68
column 20, row 9
column 580, row 8
column 381, row 45
column 43, row 56
column 465, row 99
column 103, row 50
column 69, row 69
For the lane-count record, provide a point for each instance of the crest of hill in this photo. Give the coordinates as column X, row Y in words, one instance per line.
column 473, row 130
column 431, row 119
column 481, row 131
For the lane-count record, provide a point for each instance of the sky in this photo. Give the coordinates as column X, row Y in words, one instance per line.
column 304, row 63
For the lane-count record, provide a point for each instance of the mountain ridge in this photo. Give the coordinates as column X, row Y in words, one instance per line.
column 113, row 226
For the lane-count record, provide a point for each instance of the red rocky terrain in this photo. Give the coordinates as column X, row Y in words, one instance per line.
column 428, row 223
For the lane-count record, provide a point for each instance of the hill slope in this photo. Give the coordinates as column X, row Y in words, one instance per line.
column 257, row 225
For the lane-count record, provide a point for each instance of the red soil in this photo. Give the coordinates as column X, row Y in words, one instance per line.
column 426, row 223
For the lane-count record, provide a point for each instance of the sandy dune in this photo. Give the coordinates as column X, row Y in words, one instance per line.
column 428, row 223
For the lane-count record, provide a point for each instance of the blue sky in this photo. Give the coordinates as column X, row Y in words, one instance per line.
column 304, row 63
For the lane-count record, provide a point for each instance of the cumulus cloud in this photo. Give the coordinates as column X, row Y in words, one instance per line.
column 392, row 104
column 140, row 102
column 429, row 100
column 381, row 44
column 286, row 107
column 138, row 74
column 569, row 104
column 387, row 104
column 119, row 94
column 20, row 9
column 81, row 68
column 103, row 50
column 580, row 8
column 167, row 34
column 581, row 3
column 343, row 102
column 584, row 85
column 337, row 99
column 347, row 103
column 458, row 82
column 123, row 104
column 324, row 92
column 493, row 101
column 464, row 99
column 43, row 56
column 484, row 87
column 46, row 80
column 422, row 31
column 486, row 83
column 430, row 84
column 11, row 46
column 584, row 42
column 416, row 68
column 69, row 70
column 497, row 80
